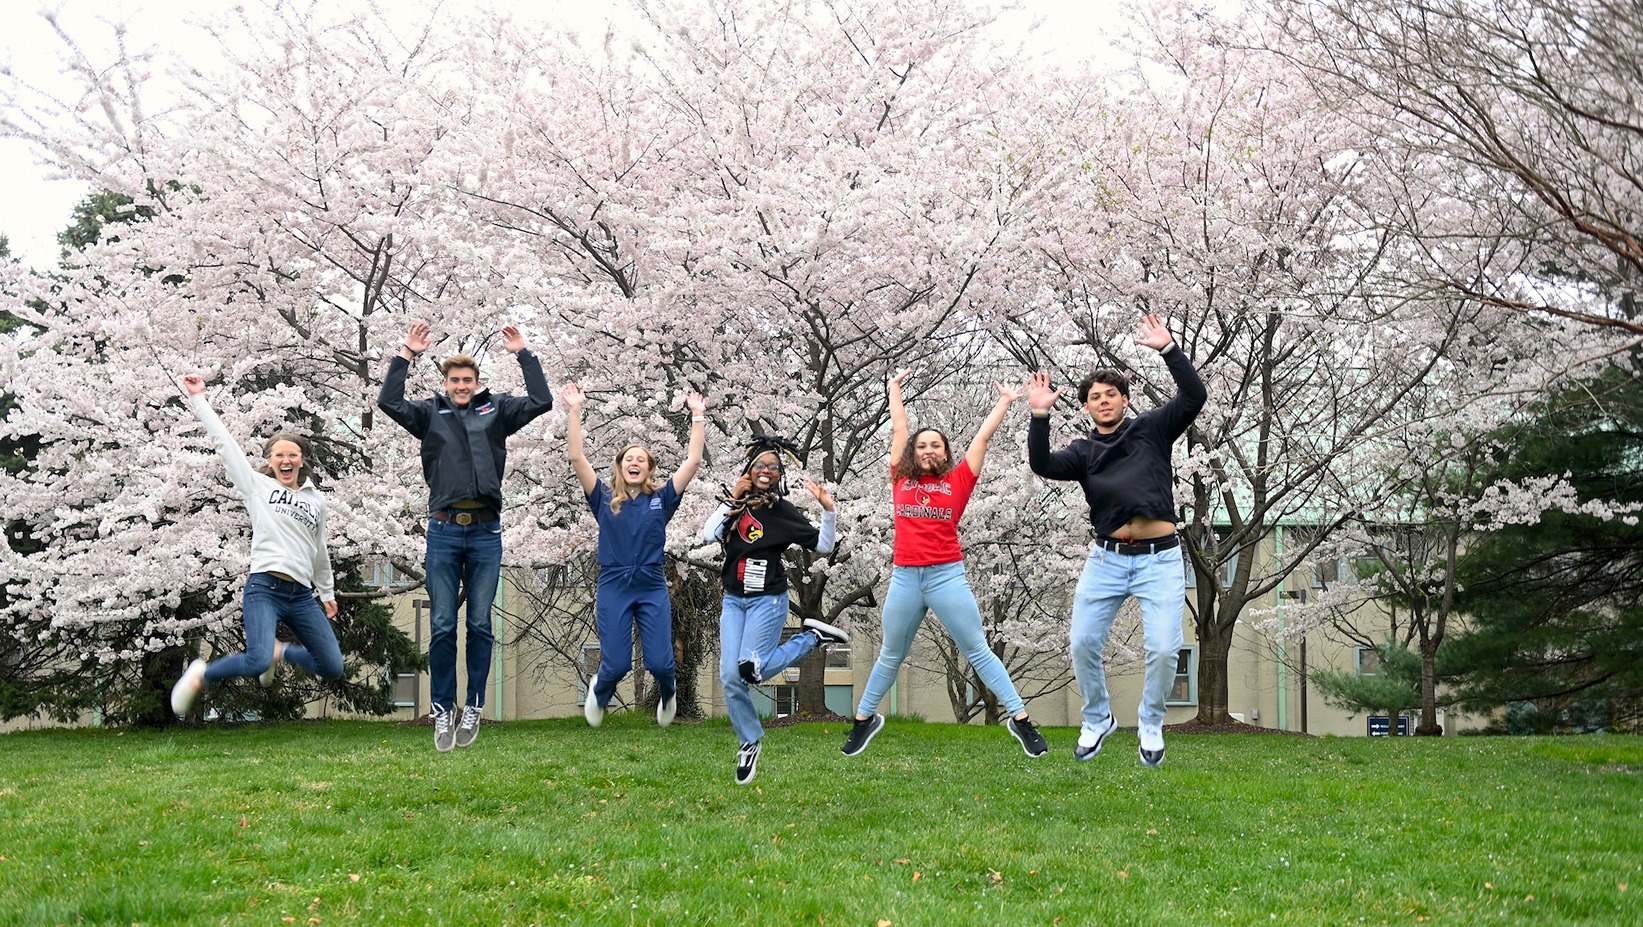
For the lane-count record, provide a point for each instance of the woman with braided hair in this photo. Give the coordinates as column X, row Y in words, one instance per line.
column 756, row 523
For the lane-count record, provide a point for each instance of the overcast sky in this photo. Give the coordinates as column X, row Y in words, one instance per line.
column 34, row 209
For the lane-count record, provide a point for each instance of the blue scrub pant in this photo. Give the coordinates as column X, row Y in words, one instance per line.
column 630, row 596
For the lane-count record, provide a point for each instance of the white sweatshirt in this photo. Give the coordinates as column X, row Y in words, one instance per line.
column 287, row 526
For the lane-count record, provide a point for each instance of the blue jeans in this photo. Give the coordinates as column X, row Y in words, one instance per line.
column 472, row 556
column 266, row 602
column 750, row 628
column 945, row 590
column 631, row 596
column 1159, row 583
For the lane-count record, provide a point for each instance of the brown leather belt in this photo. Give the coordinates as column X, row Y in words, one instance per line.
column 1150, row 546
column 278, row 575
column 464, row 516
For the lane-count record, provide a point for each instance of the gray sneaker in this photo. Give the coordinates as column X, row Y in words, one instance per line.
column 861, row 734
column 468, row 727
column 444, row 731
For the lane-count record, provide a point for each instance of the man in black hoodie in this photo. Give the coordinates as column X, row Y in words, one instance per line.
column 1124, row 467
column 464, row 449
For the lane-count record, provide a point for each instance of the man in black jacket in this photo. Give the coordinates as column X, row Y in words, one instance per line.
column 464, row 449
column 1124, row 467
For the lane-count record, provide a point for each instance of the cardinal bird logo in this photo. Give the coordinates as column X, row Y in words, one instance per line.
column 750, row 528
column 923, row 497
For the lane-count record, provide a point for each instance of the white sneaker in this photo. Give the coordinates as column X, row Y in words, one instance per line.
column 188, row 688
column 590, row 706
column 826, row 633
column 468, row 727
column 1152, row 745
column 267, row 677
column 444, row 731
column 666, row 709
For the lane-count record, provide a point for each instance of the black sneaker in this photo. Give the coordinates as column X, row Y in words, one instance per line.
column 747, row 762
column 826, row 633
column 749, row 671
column 861, row 734
column 1082, row 753
column 1027, row 732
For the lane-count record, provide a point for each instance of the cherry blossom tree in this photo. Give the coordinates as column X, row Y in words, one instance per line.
column 1528, row 109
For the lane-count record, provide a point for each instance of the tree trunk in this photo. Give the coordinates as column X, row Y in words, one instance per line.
column 1214, row 645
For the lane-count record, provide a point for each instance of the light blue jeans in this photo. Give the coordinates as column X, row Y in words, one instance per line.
column 469, row 556
column 267, row 601
column 1159, row 583
column 945, row 590
column 750, row 628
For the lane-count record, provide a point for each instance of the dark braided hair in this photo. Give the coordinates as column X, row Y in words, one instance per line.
column 759, row 445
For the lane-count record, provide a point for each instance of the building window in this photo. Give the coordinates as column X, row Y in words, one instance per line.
column 838, row 656
column 786, row 699
column 1184, row 690
column 383, row 573
column 1325, row 572
column 1369, row 661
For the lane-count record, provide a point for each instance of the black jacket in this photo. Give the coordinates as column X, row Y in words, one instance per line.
column 464, row 449
column 1126, row 473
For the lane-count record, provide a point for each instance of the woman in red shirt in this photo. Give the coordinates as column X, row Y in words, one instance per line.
column 930, row 494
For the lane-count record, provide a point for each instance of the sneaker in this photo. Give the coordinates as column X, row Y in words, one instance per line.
column 826, row 633
column 666, row 708
column 467, row 729
column 749, row 672
column 444, row 730
column 747, row 762
column 1089, row 745
column 1152, row 745
column 1027, row 732
column 267, row 677
column 591, row 709
column 861, row 734
column 188, row 688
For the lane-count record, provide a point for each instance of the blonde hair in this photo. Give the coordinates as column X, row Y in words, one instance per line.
column 458, row 360
column 643, row 489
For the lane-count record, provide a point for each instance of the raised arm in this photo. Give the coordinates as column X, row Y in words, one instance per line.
column 574, row 397
column 1060, row 465
column 239, row 469
column 538, row 398
column 1007, row 395
column 898, row 418
column 828, row 538
column 698, row 443
column 412, row 416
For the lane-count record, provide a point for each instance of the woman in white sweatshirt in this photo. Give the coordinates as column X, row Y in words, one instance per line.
column 289, row 563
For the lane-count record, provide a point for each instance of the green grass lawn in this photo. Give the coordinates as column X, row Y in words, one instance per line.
column 553, row 822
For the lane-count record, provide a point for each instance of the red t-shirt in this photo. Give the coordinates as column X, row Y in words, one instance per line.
column 927, row 511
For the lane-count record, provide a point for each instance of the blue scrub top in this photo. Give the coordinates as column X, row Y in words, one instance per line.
column 637, row 535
